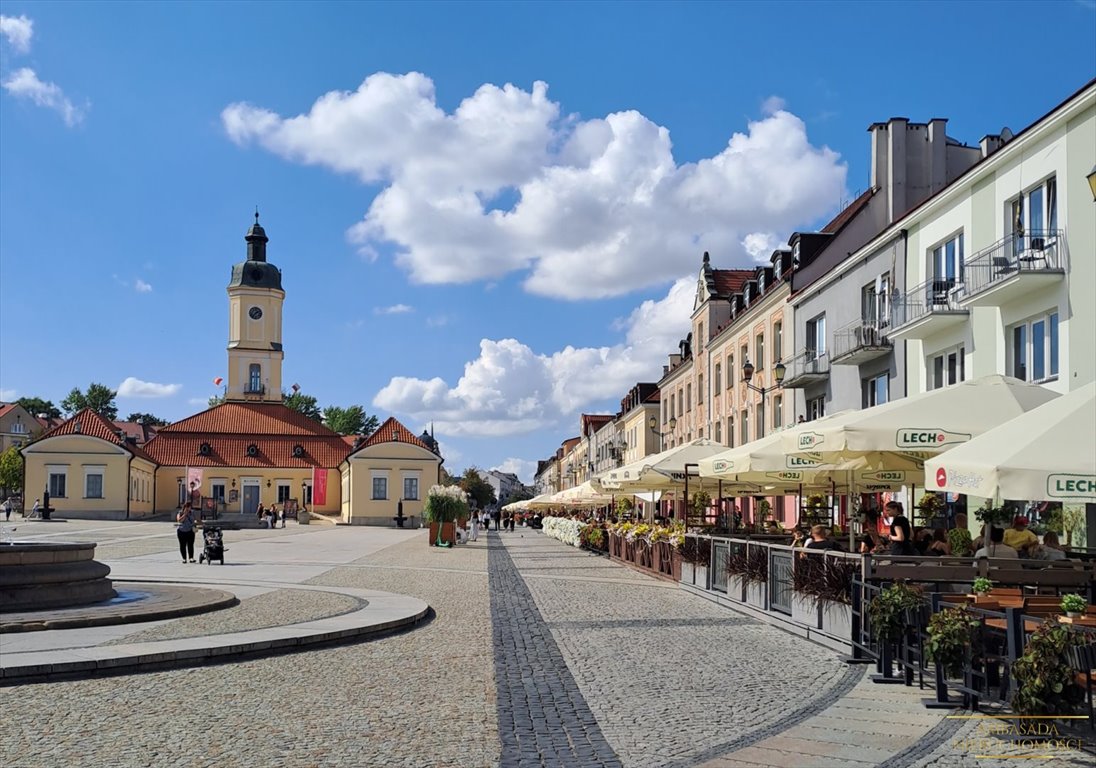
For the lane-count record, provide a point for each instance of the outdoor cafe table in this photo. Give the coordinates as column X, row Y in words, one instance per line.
column 1030, row 624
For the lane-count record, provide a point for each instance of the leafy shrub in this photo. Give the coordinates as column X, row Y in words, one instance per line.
column 696, row 551
column 887, row 610
column 981, row 586
column 951, row 632
column 1073, row 603
column 1043, row 675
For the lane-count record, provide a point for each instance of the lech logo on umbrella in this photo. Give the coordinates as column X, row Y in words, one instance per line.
column 809, row 439
column 921, row 437
column 941, row 477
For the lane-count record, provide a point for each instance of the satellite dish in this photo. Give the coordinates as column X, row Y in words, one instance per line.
column 1006, row 134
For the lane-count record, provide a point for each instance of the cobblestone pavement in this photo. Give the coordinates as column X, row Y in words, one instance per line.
column 423, row 698
column 539, row 655
column 670, row 678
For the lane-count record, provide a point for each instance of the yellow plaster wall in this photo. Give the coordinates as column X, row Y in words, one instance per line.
column 395, row 458
column 76, row 452
column 167, row 486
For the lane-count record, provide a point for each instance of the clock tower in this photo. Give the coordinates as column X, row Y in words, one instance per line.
column 255, row 299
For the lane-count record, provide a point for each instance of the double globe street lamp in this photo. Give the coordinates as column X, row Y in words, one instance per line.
column 779, row 370
column 653, row 424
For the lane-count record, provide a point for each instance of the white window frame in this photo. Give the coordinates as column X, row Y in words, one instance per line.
column 759, row 350
column 778, row 412
column 815, row 408
column 816, row 335
column 778, row 341
column 288, row 486
column 760, row 420
column 945, row 370
column 718, row 431
column 214, row 484
column 939, row 258
column 744, row 425
column 57, row 469
column 717, row 383
column 870, row 392
column 1047, row 212
column 376, row 475
column 1051, row 321
column 95, row 470
column 730, row 431
column 418, row 486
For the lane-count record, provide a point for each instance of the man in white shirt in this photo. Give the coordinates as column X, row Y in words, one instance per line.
column 996, row 547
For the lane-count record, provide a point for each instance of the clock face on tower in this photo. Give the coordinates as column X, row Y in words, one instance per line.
column 255, row 313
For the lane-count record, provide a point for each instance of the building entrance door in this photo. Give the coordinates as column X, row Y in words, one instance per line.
column 251, row 500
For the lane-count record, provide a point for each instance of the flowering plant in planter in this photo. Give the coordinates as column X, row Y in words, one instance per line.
column 562, row 528
column 981, row 586
column 592, row 537
column 445, row 503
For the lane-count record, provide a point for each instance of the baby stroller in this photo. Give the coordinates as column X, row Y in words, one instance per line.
column 214, row 548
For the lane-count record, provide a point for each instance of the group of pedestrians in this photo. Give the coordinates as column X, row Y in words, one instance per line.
column 483, row 519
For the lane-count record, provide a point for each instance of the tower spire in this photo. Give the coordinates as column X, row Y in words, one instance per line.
column 256, row 240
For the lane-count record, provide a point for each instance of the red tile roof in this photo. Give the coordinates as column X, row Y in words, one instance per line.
column 273, row 428
column 728, row 281
column 5, row 407
column 184, row 450
column 392, row 431
column 250, row 419
column 143, row 432
column 88, row 422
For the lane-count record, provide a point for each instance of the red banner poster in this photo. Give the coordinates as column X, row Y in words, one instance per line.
column 319, row 487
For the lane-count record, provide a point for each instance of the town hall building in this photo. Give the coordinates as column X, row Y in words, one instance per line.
column 249, row 450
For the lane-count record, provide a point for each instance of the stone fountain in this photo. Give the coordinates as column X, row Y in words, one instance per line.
column 38, row 576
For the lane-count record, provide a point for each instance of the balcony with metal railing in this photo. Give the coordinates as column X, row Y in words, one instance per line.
column 1013, row 266
column 861, row 341
column 809, row 366
column 927, row 308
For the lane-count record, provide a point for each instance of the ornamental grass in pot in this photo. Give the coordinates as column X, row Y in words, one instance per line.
column 445, row 504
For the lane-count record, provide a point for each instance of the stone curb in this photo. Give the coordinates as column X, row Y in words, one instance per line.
column 384, row 613
column 195, row 601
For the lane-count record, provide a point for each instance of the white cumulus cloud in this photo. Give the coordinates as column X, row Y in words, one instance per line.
column 511, row 389
column 142, row 287
column 8, row 395
column 395, row 309
column 506, row 181
column 133, row 387
column 18, row 31
column 24, row 84
column 523, row 468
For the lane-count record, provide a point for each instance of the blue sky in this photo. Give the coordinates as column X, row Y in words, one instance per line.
column 527, row 242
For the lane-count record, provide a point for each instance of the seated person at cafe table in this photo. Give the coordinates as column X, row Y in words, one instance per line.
column 820, row 539
column 1050, row 548
column 1019, row 537
column 996, row 546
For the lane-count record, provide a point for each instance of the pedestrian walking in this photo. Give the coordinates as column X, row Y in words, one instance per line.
column 36, row 510
column 498, row 517
column 7, row 510
column 185, row 531
column 474, row 523
column 281, row 516
column 510, row 521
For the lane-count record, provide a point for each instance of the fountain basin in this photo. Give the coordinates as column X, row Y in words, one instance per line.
column 41, row 575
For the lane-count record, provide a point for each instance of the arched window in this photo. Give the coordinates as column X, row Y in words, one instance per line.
column 254, row 378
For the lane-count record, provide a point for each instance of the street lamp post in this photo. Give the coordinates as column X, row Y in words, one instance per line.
column 653, row 424
column 778, row 373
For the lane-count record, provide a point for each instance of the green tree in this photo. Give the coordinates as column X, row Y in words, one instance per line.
column 99, row 398
column 11, row 470
column 303, row 403
column 147, row 418
column 481, row 492
column 350, row 421
column 37, row 406
column 521, row 495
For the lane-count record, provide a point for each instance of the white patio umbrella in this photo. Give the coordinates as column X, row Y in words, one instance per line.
column 584, row 495
column 903, row 433
column 661, row 470
column 1046, row 454
column 539, row 502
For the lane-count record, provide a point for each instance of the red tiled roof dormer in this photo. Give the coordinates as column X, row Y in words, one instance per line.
column 391, row 431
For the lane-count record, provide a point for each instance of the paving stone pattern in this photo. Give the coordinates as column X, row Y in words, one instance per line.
column 543, row 718
column 270, row 609
column 669, row 677
column 420, row 699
